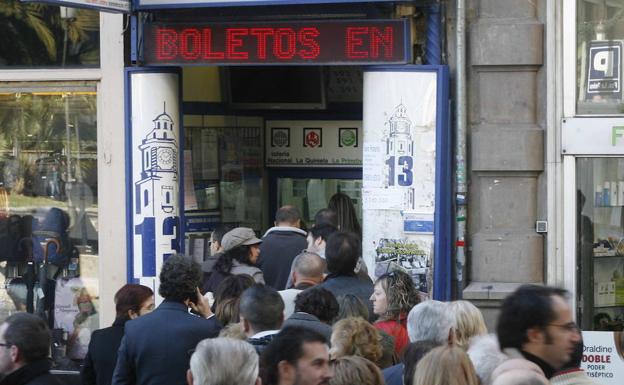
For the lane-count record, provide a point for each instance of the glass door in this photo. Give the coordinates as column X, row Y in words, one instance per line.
column 600, row 243
column 311, row 190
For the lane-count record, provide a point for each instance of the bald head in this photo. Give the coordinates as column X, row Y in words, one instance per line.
column 308, row 266
column 287, row 216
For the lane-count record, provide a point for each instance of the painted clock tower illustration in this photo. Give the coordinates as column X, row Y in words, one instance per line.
column 400, row 141
column 156, row 191
column 400, row 154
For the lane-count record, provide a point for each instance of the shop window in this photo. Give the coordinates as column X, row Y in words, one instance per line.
column 36, row 35
column 49, row 210
column 224, row 174
column 600, row 243
column 600, row 46
column 310, row 195
column 223, row 180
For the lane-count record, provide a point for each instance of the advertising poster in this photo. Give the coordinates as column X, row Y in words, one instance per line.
column 155, row 154
column 75, row 311
column 604, row 70
column 603, row 357
column 399, row 156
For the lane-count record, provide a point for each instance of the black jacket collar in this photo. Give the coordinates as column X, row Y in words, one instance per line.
column 548, row 370
column 27, row 373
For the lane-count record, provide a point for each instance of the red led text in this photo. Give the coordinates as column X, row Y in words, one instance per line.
column 238, row 43
column 299, row 42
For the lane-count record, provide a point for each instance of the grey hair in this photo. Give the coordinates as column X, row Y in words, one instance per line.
column 429, row 320
column 224, row 361
column 485, row 354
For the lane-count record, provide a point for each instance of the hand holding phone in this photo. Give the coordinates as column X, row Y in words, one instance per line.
column 200, row 305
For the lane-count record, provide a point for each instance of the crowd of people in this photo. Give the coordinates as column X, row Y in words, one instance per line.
column 262, row 311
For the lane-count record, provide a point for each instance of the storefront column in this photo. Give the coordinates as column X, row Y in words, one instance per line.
column 154, row 171
column 111, row 165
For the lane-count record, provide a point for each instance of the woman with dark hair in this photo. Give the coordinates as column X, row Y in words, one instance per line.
column 241, row 250
column 342, row 205
column 131, row 301
column 393, row 297
column 227, row 297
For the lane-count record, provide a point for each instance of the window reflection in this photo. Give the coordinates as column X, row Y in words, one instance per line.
column 36, row 35
column 48, row 210
column 600, row 35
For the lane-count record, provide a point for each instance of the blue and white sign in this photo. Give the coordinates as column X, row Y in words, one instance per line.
column 604, row 69
column 406, row 158
column 154, row 172
column 152, row 4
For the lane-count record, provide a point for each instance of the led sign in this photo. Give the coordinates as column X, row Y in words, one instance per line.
column 301, row 42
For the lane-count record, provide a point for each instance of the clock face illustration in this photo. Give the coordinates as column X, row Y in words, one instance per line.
column 165, row 158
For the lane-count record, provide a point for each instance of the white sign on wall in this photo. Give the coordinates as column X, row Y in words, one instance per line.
column 208, row 3
column 592, row 136
column 104, row 5
column 313, row 143
column 399, row 172
column 155, row 177
column 603, row 357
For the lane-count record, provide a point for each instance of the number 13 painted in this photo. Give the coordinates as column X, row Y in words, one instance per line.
column 405, row 175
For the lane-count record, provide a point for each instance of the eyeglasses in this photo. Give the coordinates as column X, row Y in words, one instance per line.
column 569, row 327
column 5, row 345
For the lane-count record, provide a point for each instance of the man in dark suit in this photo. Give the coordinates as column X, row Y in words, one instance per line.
column 157, row 347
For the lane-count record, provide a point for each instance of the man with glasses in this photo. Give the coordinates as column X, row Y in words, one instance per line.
column 24, row 347
column 536, row 322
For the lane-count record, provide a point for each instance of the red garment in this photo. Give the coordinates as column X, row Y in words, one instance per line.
column 398, row 330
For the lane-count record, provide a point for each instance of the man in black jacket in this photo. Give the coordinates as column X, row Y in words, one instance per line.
column 342, row 253
column 24, row 346
column 537, row 323
column 261, row 314
column 155, row 348
column 280, row 245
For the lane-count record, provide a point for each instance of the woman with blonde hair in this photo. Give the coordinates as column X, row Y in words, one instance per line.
column 350, row 370
column 354, row 336
column 393, row 297
column 468, row 322
column 445, row 365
